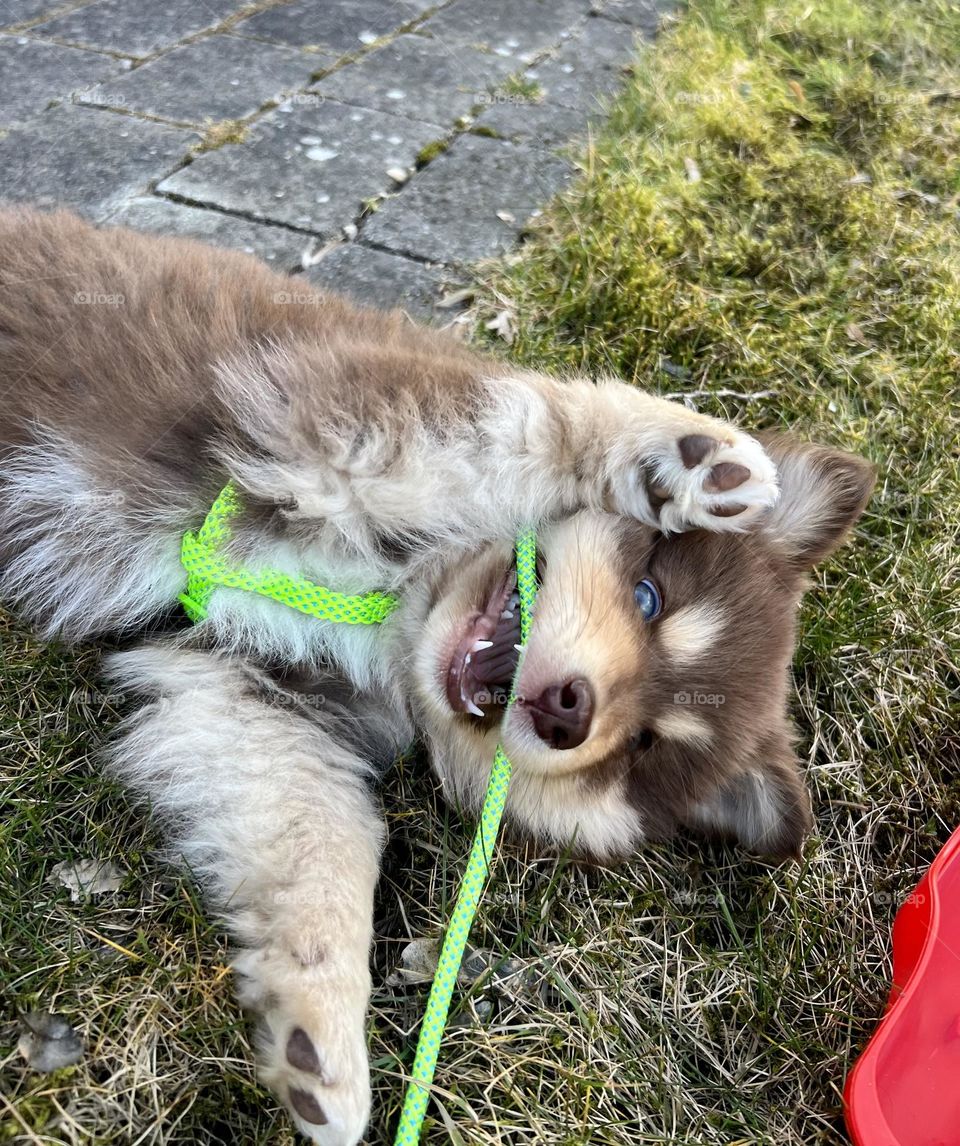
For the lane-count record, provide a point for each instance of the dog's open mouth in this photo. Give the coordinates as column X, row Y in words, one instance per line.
column 484, row 661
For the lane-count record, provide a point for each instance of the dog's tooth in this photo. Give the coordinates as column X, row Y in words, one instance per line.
column 520, row 648
column 468, row 658
column 506, row 615
column 479, row 646
column 469, row 704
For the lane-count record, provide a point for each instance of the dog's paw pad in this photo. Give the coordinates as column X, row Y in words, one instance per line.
column 725, row 476
column 694, row 448
column 308, row 1108
column 302, row 1054
column 727, row 510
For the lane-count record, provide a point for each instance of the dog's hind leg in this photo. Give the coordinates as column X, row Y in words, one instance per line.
column 273, row 815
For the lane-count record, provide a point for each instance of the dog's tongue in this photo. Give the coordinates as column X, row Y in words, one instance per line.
column 496, row 664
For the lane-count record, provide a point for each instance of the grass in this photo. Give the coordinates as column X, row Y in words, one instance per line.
column 810, row 276
column 521, row 89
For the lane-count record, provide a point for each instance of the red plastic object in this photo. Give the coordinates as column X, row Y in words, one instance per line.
column 905, row 1088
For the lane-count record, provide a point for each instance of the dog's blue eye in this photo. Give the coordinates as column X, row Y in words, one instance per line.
column 647, row 596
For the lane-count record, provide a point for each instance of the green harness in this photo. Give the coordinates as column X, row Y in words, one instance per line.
column 202, row 557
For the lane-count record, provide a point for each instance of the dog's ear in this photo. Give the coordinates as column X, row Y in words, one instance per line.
column 822, row 493
column 764, row 806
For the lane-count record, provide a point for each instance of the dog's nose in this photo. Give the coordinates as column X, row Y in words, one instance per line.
column 562, row 713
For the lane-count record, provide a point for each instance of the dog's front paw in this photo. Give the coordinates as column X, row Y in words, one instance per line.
column 326, row 1091
column 714, row 478
column 312, row 1044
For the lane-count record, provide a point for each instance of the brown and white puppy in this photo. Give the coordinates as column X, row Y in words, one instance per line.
column 140, row 375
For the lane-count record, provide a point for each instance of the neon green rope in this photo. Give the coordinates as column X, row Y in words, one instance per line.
column 201, row 555
column 471, row 888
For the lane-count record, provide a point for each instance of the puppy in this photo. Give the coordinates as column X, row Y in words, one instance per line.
column 141, row 375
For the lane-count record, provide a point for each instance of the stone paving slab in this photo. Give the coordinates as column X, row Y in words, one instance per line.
column 540, row 125
column 572, row 81
column 13, row 12
column 306, row 166
column 380, row 279
column 216, row 78
column 470, row 203
column 342, row 26
column 516, row 30
column 281, row 248
column 136, row 27
column 36, row 72
column 589, row 64
column 420, row 77
column 370, row 88
column 92, row 161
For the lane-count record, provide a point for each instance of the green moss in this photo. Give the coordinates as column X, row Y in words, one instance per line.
column 430, row 151
column 216, row 135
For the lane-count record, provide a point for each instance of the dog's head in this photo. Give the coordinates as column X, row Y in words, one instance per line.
column 654, row 688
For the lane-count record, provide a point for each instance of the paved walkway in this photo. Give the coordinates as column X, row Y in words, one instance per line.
column 375, row 145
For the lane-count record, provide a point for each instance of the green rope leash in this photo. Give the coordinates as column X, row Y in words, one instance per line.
column 478, row 867
column 201, row 556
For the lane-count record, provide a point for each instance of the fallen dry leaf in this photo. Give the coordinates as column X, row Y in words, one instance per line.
column 418, row 963
column 455, row 298
column 87, row 877
column 502, row 325
column 509, row 976
column 48, row 1042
